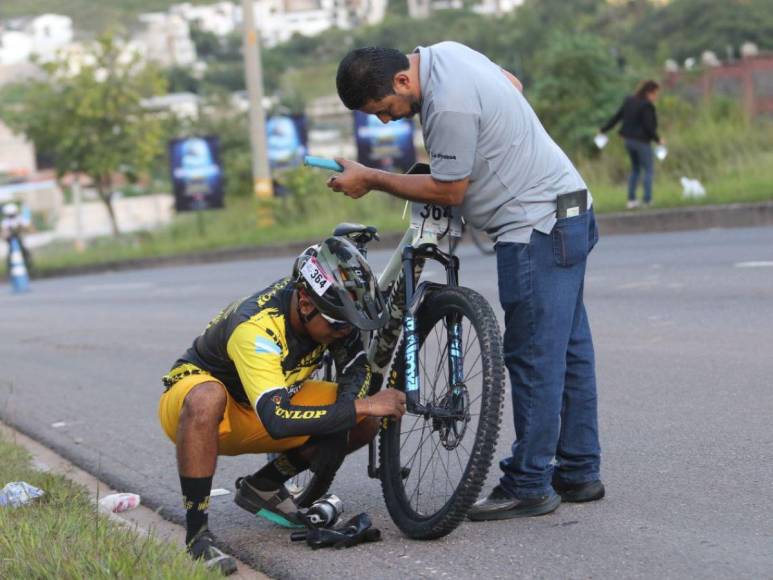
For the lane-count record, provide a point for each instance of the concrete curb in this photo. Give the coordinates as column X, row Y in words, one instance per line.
column 693, row 218
column 631, row 222
column 142, row 520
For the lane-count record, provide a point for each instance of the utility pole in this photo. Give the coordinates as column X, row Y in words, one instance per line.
column 253, row 72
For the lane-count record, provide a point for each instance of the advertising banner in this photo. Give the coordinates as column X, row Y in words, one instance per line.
column 287, row 140
column 197, row 174
column 384, row 146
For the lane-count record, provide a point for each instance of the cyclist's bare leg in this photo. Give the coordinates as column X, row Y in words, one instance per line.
column 197, row 431
column 363, row 433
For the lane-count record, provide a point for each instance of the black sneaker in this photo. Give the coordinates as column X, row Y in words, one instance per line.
column 500, row 505
column 579, row 492
column 201, row 547
column 276, row 505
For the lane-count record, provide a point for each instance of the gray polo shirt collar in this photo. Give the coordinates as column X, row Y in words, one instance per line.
column 425, row 69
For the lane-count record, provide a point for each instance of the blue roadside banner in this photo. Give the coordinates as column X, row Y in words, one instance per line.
column 384, row 146
column 197, row 173
column 287, row 140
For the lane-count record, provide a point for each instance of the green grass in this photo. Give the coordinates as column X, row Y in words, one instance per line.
column 61, row 536
column 735, row 185
column 713, row 142
column 307, row 216
column 313, row 211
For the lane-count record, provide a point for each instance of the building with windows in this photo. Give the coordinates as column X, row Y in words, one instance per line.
column 221, row 19
column 166, row 38
column 40, row 37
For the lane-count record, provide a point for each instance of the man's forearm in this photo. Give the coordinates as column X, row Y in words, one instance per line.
column 421, row 188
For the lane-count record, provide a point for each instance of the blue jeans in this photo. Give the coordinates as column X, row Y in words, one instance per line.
column 549, row 353
column 641, row 158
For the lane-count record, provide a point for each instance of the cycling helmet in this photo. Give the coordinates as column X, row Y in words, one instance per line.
column 10, row 210
column 340, row 283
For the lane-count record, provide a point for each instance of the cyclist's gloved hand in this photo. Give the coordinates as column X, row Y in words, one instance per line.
column 355, row 382
column 352, row 367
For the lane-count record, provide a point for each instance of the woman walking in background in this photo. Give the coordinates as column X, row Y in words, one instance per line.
column 639, row 129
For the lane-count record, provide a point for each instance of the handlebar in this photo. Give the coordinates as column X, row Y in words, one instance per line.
column 322, row 163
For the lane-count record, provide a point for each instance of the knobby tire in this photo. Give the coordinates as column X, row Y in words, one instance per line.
column 477, row 314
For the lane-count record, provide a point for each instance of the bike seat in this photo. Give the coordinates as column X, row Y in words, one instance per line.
column 347, row 229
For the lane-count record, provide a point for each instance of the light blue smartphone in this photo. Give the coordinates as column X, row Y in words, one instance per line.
column 322, row 163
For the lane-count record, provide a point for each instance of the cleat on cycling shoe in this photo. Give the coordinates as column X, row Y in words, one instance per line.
column 276, row 505
column 201, row 547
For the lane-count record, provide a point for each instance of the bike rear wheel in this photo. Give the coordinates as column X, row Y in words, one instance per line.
column 432, row 469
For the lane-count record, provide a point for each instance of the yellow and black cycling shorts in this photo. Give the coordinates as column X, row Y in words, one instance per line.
column 240, row 430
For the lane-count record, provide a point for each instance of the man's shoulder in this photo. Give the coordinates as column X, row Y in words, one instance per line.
column 451, row 46
column 458, row 75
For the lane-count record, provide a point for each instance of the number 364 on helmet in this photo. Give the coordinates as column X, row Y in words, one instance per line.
column 341, row 284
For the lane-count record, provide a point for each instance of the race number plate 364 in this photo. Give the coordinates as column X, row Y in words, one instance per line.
column 436, row 219
column 318, row 279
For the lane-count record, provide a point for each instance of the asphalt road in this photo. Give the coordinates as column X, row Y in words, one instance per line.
column 683, row 324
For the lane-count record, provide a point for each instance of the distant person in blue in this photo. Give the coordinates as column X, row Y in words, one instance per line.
column 16, row 221
column 639, row 129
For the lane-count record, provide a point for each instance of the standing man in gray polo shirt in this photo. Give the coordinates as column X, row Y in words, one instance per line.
column 490, row 154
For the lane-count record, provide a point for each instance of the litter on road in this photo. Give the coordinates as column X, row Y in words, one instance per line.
column 119, row 502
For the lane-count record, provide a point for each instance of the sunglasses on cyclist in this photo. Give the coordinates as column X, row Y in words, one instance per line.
column 336, row 324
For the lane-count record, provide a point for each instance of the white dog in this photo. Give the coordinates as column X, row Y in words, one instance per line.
column 692, row 188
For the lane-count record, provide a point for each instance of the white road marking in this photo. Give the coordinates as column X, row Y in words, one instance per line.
column 114, row 287
column 640, row 284
column 758, row 264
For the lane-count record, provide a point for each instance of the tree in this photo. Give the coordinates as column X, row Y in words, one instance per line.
column 91, row 118
column 579, row 86
column 685, row 28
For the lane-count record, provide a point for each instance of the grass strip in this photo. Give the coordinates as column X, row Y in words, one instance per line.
column 61, row 535
column 312, row 211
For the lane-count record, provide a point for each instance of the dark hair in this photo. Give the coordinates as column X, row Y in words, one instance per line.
column 645, row 88
column 367, row 74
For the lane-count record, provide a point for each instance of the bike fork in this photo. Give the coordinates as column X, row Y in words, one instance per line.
column 455, row 365
column 410, row 337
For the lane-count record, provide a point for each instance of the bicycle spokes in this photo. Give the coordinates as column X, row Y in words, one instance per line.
column 436, row 444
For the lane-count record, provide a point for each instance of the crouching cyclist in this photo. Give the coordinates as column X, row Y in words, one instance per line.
column 243, row 387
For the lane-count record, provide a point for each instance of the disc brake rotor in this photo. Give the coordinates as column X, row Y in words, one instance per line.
column 451, row 429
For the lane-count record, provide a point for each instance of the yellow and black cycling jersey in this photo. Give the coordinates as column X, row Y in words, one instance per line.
column 251, row 348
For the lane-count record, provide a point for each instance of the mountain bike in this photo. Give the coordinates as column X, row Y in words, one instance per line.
column 442, row 347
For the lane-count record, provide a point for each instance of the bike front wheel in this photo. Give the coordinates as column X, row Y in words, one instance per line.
column 433, row 466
